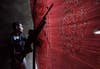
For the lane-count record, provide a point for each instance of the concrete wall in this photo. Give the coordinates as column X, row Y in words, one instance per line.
column 10, row 11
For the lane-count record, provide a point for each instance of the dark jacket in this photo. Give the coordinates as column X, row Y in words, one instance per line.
column 18, row 46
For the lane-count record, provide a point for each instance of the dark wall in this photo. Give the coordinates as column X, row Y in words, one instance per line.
column 10, row 11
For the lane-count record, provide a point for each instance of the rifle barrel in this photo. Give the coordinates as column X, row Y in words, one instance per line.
column 48, row 9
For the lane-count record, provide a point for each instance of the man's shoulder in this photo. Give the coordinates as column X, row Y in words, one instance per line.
column 12, row 33
column 23, row 36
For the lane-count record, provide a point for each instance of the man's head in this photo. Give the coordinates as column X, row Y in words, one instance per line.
column 17, row 26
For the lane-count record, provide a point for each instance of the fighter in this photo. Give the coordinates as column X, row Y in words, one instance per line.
column 20, row 46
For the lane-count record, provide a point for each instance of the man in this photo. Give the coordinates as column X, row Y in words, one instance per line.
column 18, row 46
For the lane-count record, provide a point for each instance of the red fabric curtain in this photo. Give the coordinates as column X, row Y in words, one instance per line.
column 68, row 38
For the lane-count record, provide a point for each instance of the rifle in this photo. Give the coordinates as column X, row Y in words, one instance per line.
column 33, row 34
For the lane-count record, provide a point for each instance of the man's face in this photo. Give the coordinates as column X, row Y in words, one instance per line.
column 20, row 28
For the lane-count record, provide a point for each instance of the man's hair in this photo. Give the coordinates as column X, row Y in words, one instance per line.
column 14, row 24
